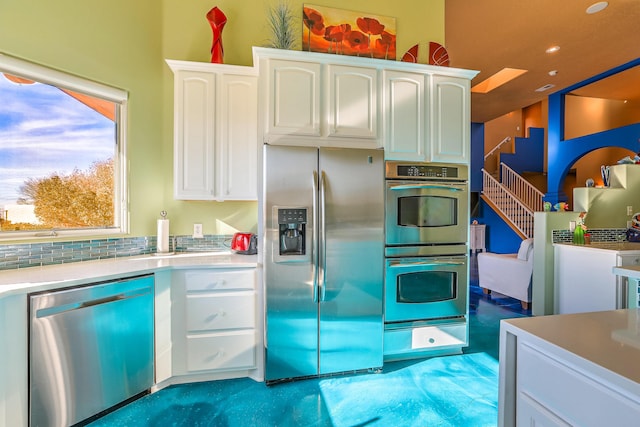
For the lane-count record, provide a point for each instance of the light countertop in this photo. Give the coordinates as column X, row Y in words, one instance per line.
column 632, row 271
column 610, row 339
column 606, row 246
column 35, row 279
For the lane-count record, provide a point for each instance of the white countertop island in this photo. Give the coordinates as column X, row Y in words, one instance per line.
column 574, row 369
column 583, row 277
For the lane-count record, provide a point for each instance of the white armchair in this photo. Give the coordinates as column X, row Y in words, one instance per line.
column 508, row 274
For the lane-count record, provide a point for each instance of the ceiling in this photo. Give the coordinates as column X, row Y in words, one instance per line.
column 489, row 35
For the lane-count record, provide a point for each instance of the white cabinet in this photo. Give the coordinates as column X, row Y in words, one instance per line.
column 215, row 131
column 450, row 119
column 405, row 115
column 584, row 280
column 477, row 239
column 214, row 320
column 353, row 105
column 569, row 370
column 427, row 116
column 293, row 98
column 317, row 99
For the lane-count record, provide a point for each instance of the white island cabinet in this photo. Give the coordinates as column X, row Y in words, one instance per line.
column 570, row 370
column 215, row 131
column 584, row 280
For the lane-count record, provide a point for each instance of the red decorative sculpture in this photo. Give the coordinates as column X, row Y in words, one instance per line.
column 216, row 19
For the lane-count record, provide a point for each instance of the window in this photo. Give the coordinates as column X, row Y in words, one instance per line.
column 61, row 154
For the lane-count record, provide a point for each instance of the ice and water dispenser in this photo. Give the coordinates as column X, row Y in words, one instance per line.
column 292, row 234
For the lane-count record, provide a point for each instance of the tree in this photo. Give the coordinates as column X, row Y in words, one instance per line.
column 80, row 199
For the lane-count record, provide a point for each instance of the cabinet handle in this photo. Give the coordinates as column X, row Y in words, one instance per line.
column 220, row 353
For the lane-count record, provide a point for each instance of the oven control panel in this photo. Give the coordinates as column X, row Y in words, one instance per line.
column 434, row 171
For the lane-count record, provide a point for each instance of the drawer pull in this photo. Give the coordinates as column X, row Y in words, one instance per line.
column 214, row 316
column 216, row 355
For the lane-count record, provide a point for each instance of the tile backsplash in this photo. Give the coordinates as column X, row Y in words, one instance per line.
column 597, row 235
column 50, row 253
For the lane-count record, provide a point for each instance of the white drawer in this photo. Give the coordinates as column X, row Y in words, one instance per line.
column 220, row 280
column 568, row 393
column 222, row 311
column 221, row 351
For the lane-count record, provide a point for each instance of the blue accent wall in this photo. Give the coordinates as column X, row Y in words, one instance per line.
column 477, row 156
column 529, row 153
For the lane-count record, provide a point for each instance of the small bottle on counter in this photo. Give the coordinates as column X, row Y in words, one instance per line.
column 587, row 239
column 578, row 235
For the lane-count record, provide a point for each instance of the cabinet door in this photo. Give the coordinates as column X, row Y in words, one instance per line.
column 238, row 142
column 293, row 100
column 405, row 118
column 194, row 135
column 352, row 103
column 451, row 126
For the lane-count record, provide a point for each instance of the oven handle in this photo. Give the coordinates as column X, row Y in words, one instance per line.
column 400, row 264
column 452, row 187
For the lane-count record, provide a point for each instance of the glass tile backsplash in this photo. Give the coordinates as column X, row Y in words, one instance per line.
column 597, row 235
column 39, row 254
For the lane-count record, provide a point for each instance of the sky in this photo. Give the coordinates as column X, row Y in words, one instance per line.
column 42, row 131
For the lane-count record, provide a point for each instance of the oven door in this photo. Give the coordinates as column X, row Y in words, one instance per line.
column 425, row 288
column 419, row 212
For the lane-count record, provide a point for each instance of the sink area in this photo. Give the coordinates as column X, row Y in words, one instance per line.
column 183, row 255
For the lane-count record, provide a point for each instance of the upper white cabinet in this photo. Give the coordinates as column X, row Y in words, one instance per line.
column 353, row 106
column 293, row 95
column 405, row 107
column 215, row 131
column 450, row 119
column 317, row 99
column 417, row 112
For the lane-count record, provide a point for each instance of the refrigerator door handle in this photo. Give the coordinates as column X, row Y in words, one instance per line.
column 322, row 241
column 314, row 236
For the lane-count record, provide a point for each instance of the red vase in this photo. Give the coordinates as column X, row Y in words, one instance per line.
column 216, row 19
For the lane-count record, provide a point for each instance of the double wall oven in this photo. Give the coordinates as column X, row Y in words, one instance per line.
column 426, row 258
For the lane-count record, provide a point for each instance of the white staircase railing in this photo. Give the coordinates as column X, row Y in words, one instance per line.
column 508, row 204
column 521, row 188
column 497, row 147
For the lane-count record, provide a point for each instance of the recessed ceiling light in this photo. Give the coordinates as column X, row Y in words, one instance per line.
column 553, row 49
column 553, row 73
column 545, row 87
column 597, row 7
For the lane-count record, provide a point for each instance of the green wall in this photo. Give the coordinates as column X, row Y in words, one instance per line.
column 123, row 43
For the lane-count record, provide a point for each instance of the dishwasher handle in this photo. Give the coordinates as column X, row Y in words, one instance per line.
column 63, row 308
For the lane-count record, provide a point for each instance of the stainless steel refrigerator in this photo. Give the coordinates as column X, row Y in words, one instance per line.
column 323, row 211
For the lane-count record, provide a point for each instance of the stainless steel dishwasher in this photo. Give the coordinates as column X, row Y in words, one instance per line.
column 90, row 348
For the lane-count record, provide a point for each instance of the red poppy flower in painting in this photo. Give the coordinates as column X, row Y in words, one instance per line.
column 335, row 34
column 370, row 26
column 357, row 40
column 385, row 44
column 313, row 20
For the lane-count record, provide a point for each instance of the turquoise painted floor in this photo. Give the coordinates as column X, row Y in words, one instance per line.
column 459, row 390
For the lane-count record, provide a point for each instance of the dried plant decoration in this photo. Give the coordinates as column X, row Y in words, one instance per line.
column 282, row 23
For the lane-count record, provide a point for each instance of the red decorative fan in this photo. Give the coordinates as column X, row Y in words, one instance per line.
column 411, row 55
column 438, row 55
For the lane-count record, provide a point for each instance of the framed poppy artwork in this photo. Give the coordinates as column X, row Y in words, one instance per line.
column 345, row 32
